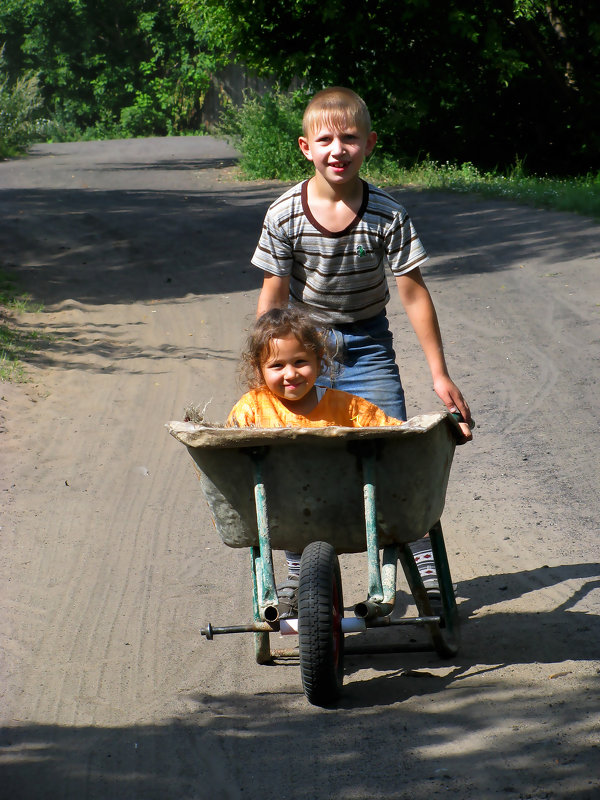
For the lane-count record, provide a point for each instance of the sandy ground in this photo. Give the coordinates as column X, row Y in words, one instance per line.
column 139, row 252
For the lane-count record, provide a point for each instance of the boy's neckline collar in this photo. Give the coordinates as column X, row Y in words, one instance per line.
column 321, row 228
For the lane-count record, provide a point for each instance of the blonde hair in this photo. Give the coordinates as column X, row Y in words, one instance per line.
column 336, row 107
column 279, row 323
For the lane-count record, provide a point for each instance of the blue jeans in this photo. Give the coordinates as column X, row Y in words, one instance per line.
column 365, row 354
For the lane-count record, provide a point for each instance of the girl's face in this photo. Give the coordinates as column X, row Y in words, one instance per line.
column 289, row 370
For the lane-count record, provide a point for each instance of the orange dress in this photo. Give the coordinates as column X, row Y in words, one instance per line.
column 260, row 408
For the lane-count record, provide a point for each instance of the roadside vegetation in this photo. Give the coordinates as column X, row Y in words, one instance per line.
column 108, row 70
column 492, row 84
column 15, row 341
column 265, row 130
column 580, row 195
column 20, row 101
column 500, row 99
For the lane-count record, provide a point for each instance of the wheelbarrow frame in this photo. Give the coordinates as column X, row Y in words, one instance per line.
column 367, row 448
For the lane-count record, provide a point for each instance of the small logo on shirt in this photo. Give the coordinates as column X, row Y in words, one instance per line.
column 360, row 251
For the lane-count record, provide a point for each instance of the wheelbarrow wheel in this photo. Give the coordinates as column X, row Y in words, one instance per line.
column 320, row 613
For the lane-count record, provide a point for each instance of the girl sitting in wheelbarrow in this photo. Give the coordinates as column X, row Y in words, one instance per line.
column 285, row 354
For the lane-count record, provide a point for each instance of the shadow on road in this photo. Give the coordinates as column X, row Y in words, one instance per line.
column 124, row 245
column 99, row 247
column 496, row 638
column 268, row 746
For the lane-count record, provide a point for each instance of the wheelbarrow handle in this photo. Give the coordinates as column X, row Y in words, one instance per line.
column 459, row 418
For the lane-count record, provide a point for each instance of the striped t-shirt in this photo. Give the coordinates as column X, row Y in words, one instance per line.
column 339, row 277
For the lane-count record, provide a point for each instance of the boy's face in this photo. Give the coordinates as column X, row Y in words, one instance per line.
column 337, row 154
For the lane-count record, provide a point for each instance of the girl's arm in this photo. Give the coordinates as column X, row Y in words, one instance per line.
column 275, row 293
column 421, row 312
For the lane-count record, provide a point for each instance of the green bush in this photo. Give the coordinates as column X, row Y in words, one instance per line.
column 20, row 101
column 110, row 69
column 265, row 130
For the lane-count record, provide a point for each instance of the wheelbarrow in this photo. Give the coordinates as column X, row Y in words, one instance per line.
column 324, row 492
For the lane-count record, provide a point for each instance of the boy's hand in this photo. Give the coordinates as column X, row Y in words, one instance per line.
column 452, row 398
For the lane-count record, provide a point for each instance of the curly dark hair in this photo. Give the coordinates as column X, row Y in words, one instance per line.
column 279, row 323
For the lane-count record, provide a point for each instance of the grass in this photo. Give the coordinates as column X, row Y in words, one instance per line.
column 265, row 131
column 15, row 343
column 580, row 195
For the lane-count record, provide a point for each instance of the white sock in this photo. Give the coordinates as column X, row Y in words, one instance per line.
column 423, row 556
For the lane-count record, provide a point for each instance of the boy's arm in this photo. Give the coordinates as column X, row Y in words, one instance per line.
column 421, row 312
column 275, row 293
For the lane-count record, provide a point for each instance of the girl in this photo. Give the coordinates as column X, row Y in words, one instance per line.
column 285, row 355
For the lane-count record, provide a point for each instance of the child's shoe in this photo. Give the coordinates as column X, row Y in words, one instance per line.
column 435, row 596
column 287, row 593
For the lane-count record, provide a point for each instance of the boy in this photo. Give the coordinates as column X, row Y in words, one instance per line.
column 324, row 247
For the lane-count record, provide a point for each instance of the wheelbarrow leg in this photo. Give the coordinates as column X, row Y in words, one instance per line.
column 262, row 647
column 264, row 593
column 450, row 635
column 267, row 594
column 444, row 633
column 381, row 577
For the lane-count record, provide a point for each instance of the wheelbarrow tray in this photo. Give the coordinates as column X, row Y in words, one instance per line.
column 314, row 480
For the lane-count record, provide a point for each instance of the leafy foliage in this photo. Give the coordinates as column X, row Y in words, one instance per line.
column 490, row 82
column 265, row 130
column 445, row 79
column 115, row 67
column 19, row 103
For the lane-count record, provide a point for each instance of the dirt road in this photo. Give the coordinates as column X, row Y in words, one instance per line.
column 140, row 252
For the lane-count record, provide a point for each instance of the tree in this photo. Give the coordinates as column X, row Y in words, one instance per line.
column 489, row 83
column 124, row 66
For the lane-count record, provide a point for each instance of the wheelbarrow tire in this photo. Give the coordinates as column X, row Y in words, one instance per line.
column 320, row 613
